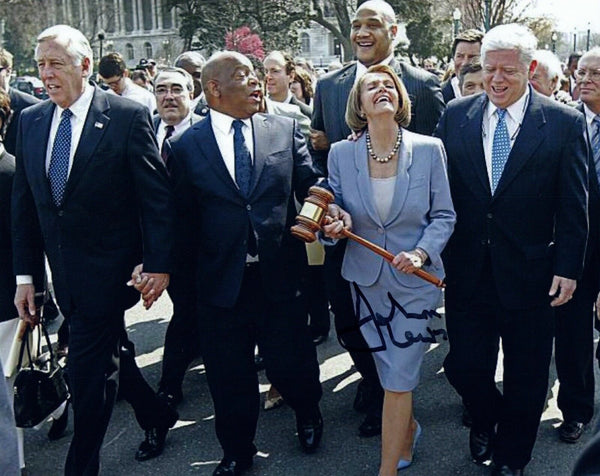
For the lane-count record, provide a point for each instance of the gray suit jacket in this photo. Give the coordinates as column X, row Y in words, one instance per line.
column 421, row 216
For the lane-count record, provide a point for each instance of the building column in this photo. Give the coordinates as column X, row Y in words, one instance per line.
column 159, row 9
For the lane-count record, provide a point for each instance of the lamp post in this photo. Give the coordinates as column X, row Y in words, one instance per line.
column 574, row 39
column 101, row 37
column 488, row 14
column 167, row 47
column 587, row 42
column 456, row 15
column 554, row 37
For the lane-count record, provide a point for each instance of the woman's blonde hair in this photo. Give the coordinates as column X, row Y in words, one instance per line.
column 356, row 120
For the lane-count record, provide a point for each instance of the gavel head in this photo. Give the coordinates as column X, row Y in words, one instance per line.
column 312, row 214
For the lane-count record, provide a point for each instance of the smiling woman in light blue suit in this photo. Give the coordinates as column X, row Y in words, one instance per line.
column 394, row 186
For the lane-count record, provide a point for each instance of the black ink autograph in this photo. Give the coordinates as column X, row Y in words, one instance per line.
column 351, row 339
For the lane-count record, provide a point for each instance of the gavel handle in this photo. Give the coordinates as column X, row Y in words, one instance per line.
column 430, row 278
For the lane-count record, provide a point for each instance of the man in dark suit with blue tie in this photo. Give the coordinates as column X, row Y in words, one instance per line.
column 373, row 36
column 235, row 175
column 92, row 193
column 517, row 164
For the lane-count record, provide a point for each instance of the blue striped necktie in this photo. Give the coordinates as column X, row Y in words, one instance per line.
column 58, row 171
column 596, row 143
column 500, row 148
column 243, row 160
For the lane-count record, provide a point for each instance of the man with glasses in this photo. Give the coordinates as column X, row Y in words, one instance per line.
column 114, row 73
column 575, row 320
column 173, row 90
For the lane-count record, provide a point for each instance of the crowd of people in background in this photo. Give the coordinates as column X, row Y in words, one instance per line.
column 187, row 178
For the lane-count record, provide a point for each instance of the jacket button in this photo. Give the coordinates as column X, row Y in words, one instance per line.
column 380, row 231
column 248, row 207
column 61, row 213
column 484, row 242
column 489, row 215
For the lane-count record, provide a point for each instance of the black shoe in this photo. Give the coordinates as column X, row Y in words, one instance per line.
column 59, row 425
column 480, row 444
column 172, row 399
column 320, row 338
column 310, row 431
column 371, row 426
column 505, row 470
column 232, row 467
column 570, row 431
column 153, row 445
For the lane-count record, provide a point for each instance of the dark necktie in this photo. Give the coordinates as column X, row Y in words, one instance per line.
column 596, row 143
column 243, row 160
column 58, row 171
column 500, row 148
column 163, row 149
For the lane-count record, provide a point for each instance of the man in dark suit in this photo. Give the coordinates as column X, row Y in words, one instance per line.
column 193, row 62
column 18, row 100
column 173, row 88
column 373, row 37
column 574, row 341
column 92, row 193
column 235, row 175
column 465, row 49
column 517, row 166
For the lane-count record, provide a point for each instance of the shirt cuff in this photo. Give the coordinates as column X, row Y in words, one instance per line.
column 24, row 279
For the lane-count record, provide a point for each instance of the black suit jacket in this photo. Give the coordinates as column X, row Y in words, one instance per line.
column 18, row 101
column 211, row 205
column 333, row 89
column 535, row 224
column 448, row 91
column 7, row 279
column 116, row 211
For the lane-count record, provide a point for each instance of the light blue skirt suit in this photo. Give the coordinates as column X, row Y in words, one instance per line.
column 395, row 311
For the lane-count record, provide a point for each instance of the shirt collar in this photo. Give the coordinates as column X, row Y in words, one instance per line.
column 516, row 110
column 589, row 115
column 361, row 69
column 182, row 123
column 223, row 122
column 81, row 106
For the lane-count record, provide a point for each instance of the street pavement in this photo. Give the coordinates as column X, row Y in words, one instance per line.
column 192, row 447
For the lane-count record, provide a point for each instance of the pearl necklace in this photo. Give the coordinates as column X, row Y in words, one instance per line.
column 383, row 160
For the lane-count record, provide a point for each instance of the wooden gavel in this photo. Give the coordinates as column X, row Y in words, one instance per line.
column 313, row 215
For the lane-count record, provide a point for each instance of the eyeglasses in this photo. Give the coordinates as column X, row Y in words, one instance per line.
column 592, row 74
column 174, row 90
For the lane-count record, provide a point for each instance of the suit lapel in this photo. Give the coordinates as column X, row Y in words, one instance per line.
column 526, row 143
column 470, row 131
column 260, row 128
column 346, row 81
column 206, row 142
column 364, row 179
column 39, row 148
column 405, row 156
column 94, row 127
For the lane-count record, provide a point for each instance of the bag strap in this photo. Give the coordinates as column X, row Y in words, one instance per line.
column 25, row 344
column 43, row 330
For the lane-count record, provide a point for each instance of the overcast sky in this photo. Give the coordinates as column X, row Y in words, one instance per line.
column 570, row 14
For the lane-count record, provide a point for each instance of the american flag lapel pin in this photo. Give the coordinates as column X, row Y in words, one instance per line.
column 98, row 125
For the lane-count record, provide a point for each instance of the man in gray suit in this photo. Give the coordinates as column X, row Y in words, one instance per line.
column 373, row 37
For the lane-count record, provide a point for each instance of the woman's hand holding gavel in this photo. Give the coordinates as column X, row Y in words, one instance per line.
column 336, row 220
column 409, row 261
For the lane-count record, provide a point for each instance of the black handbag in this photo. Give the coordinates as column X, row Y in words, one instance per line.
column 39, row 388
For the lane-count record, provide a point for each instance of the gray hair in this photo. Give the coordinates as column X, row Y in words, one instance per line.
column 387, row 12
column 550, row 61
column 510, row 37
column 192, row 57
column 189, row 82
column 74, row 42
column 593, row 53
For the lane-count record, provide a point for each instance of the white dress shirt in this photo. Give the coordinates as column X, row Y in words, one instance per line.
column 514, row 118
column 361, row 69
column 138, row 94
column 455, row 86
column 179, row 128
column 223, row 131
